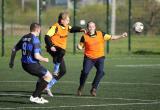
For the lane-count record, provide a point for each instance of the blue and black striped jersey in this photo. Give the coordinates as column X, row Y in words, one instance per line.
column 29, row 45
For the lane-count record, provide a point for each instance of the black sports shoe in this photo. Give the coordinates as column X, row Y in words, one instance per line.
column 93, row 92
column 79, row 91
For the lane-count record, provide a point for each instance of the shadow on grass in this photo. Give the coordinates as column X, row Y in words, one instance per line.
column 67, row 94
column 6, row 95
column 143, row 52
column 15, row 102
column 26, row 94
column 16, row 91
column 15, row 94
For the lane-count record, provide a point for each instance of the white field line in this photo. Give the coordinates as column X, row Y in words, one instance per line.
column 8, row 108
column 103, row 82
column 81, row 106
column 132, row 58
column 83, row 97
column 139, row 65
column 118, row 58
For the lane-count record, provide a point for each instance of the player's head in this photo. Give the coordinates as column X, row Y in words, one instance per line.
column 36, row 28
column 91, row 27
column 63, row 18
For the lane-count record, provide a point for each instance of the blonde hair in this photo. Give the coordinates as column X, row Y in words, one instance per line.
column 63, row 15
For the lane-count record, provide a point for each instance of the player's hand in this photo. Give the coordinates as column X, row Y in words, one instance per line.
column 11, row 65
column 53, row 49
column 46, row 60
column 83, row 30
column 125, row 34
column 79, row 47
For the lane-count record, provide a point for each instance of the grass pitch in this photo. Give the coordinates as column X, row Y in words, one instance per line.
column 131, row 80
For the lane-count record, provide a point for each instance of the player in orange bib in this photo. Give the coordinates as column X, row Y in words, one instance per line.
column 56, row 41
column 93, row 43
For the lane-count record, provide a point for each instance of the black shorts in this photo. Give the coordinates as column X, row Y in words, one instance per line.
column 57, row 55
column 35, row 69
column 59, row 52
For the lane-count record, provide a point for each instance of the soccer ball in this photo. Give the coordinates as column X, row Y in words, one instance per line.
column 138, row 27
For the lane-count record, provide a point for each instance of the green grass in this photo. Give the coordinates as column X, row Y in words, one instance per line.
column 136, row 87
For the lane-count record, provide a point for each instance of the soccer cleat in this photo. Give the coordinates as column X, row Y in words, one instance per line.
column 49, row 92
column 55, row 73
column 79, row 91
column 36, row 100
column 44, row 100
column 93, row 92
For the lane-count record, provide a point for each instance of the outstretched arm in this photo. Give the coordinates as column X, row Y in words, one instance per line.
column 115, row 37
column 76, row 29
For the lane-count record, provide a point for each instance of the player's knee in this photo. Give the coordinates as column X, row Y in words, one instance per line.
column 84, row 74
column 63, row 71
column 102, row 74
column 48, row 77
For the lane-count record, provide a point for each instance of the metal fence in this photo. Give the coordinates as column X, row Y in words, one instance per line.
column 18, row 14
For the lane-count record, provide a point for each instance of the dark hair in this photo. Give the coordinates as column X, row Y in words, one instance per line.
column 62, row 15
column 34, row 26
column 90, row 22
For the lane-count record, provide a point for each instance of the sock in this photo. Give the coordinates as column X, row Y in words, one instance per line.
column 40, row 86
column 56, row 67
column 51, row 83
column 37, row 84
